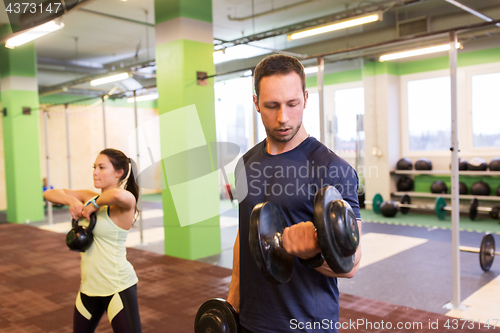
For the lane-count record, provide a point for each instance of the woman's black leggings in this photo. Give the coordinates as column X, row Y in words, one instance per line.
column 122, row 310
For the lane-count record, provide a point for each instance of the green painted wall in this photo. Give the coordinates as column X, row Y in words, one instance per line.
column 18, row 62
column 23, row 176
column 336, row 78
column 170, row 9
column 178, row 61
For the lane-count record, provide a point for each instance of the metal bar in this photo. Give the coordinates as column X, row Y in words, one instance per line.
column 319, row 77
column 68, row 144
column 117, row 17
column 484, row 209
column 405, row 39
column 104, row 122
column 455, row 203
column 47, row 178
column 139, row 204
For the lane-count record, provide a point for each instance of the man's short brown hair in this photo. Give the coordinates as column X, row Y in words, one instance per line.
column 278, row 64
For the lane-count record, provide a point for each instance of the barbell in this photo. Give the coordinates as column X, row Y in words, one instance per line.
column 486, row 251
column 440, row 207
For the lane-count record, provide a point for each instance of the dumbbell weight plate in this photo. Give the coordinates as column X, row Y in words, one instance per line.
column 405, row 200
column 439, row 207
column 266, row 224
column 487, row 252
column 376, row 202
column 473, row 209
column 216, row 316
column 337, row 229
column 495, row 212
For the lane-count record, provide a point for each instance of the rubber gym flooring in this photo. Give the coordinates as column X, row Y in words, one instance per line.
column 405, row 279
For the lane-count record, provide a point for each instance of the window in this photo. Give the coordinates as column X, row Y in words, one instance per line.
column 485, row 108
column 233, row 112
column 348, row 104
column 429, row 114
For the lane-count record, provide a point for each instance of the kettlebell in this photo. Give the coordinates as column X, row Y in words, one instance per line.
column 79, row 238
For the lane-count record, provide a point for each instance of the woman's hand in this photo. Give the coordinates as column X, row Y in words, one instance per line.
column 75, row 209
column 87, row 210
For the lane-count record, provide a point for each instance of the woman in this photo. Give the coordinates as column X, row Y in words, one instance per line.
column 109, row 282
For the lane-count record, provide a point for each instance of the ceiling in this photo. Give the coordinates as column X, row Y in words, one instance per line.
column 91, row 44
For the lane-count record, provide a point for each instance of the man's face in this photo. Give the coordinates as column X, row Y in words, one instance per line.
column 281, row 105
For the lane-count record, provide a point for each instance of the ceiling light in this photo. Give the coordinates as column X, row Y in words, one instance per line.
column 417, row 52
column 34, row 33
column 112, row 78
column 336, row 26
column 310, row 70
column 143, row 98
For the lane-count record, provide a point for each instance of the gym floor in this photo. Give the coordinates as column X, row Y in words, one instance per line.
column 405, row 276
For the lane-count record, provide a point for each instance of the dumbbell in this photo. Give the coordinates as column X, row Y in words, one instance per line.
column 336, row 228
column 486, row 252
column 494, row 212
column 216, row 316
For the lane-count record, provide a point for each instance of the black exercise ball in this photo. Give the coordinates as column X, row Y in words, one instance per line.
column 495, row 164
column 423, row 164
column 439, row 187
column 477, row 164
column 462, row 188
column 404, row 184
column 404, row 164
column 388, row 208
column 462, row 164
column 480, row 188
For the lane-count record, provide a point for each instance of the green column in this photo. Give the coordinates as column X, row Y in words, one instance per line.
column 21, row 133
column 184, row 45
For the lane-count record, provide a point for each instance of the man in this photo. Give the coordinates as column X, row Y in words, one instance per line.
column 287, row 168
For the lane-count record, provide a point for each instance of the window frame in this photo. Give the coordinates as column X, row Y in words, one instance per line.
column 405, row 140
column 469, row 72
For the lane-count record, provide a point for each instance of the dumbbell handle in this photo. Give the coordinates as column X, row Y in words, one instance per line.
column 476, row 250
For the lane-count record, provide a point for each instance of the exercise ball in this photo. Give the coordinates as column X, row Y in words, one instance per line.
column 388, row 208
column 404, row 184
column 423, row 164
column 439, row 187
column 462, row 164
column 404, row 164
column 477, row 164
column 495, row 164
column 462, row 188
column 480, row 188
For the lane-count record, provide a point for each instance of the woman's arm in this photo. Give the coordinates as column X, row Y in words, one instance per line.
column 74, row 199
column 122, row 199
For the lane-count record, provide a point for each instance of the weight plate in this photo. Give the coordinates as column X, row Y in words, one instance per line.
column 333, row 220
column 439, row 207
column 473, row 209
column 266, row 228
column 405, row 200
column 376, row 202
column 487, row 252
column 495, row 212
column 216, row 316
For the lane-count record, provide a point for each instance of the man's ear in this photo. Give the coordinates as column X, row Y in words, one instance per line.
column 256, row 103
column 306, row 96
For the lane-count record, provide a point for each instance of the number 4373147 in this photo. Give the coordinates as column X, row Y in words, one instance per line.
column 33, row 8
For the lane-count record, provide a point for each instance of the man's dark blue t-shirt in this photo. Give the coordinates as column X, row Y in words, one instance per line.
column 290, row 180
